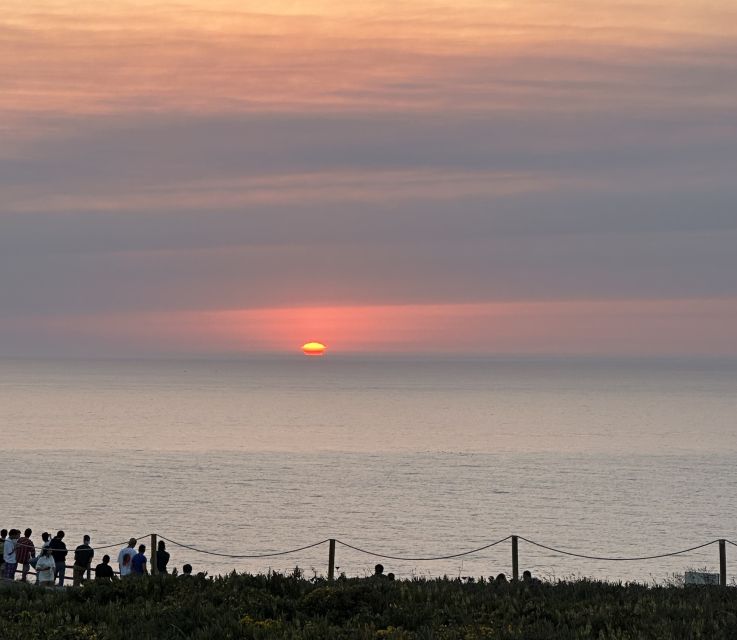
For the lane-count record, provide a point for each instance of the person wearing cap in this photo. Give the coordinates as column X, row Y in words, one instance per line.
column 83, row 555
column 125, row 556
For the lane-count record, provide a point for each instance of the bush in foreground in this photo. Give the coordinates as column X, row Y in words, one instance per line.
column 278, row 606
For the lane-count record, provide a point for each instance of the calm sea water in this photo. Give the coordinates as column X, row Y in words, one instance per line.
column 402, row 457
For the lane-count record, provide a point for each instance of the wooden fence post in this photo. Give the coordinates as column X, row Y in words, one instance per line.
column 722, row 563
column 154, row 564
column 515, row 559
column 331, row 560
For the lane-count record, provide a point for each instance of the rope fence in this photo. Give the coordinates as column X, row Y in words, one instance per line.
column 722, row 542
column 617, row 559
column 241, row 556
column 400, row 558
column 515, row 553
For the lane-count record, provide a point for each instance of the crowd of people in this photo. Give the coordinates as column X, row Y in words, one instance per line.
column 19, row 553
column 50, row 564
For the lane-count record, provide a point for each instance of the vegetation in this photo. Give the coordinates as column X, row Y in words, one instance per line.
column 279, row 606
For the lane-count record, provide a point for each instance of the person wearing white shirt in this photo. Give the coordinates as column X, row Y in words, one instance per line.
column 10, row 562
column 125, row 556
column 45, row 568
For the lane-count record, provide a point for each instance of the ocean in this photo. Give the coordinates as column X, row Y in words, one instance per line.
column 405, row 457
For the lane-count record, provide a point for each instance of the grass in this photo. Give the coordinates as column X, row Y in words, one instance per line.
column 289, row 606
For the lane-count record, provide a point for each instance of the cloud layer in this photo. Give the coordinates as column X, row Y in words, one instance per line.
column 216, row 158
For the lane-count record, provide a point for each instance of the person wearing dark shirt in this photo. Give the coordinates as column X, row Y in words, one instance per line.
column 3, row 536
column 83, row 555
column 162, row 557
column 138, row 562
column 59, row 553
column 103, row 571
column 25, row 552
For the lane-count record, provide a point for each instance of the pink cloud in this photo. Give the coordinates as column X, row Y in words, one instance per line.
column 603, row 327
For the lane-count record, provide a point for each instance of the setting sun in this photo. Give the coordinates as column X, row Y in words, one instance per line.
column 314, row 349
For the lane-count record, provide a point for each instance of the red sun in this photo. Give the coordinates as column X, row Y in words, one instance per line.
column 314, row 349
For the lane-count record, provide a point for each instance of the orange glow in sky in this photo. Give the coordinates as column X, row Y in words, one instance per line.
column 441, row 176
column 576, row 327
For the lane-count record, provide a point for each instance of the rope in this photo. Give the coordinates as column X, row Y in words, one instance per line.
column 120, row 544
column 734, row 544
column 580, row 555
column 454, row 555
column 229, row 555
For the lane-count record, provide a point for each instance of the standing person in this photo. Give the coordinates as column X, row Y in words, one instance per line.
column 3, row 538
column 83, row 555
column 162, row 557
column 45, row 541
column 45, row 568
column 139, row 562
column 124, row 558
column 59, row 552
column 103, row 571
column 10, row 562
column 25, row 552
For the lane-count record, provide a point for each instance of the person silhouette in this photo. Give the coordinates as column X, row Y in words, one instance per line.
column 103, row 571
column 162, row 557
column 59, row 553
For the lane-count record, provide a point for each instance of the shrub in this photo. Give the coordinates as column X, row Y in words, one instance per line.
column 265, row 607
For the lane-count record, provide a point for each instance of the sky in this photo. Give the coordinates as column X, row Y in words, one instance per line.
column 465, row 177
